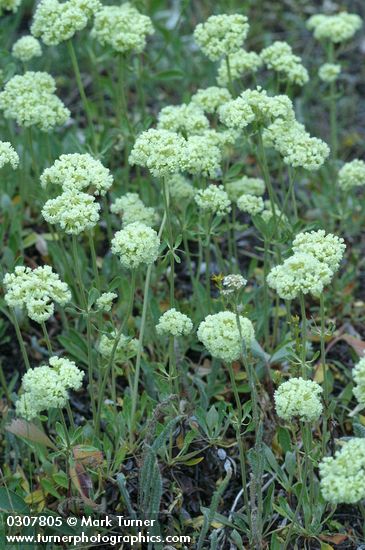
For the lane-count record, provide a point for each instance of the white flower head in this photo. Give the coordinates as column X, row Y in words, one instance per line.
column 26, row 48
column 213, row 199
column 220, row 335
column 174, row 323
column 73, row 211
column 135, row 245
column 299, row 398
column 221, row 35
column 342, row 476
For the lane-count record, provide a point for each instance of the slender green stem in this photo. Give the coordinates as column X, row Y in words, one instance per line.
column 170, row 238
column 241, row 447
column 333, row 106
column 88, row 324
column 20, row 340
column 4, row 384
column 110, row 366
column 266, row 175
column 304, row 336
column 70, row 415
column 267, row 304
column 75, row 65
column 140, row 339
column 292, row 192
column 229, row 74
column 93, row 259
column 46, row 337
column 326, row 389
column 174, row 383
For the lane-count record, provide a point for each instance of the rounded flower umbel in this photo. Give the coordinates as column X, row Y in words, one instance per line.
column 174, row 323
column 30, row 100
column 135, row 245
column 9, row 5
column 328, row 249
column 251, row 204
column 126, row 347
column 329, row 72
column 299, row 398
column 105, row 301
column 187, row 119
column 46, row 387
column 73, row 211
column 280, row 57
column 180, row 189
column 158, row 150
column 232, row 284
column 8, row 155
column 221, row 35
column 202, row 155
column 26, row 48
column 36, row 291
column 54, row 22
column 77, row 172
column 213, row 200
column 209, row 99
column 301, row 273
column 336, row 28
column 244, row 186
column 342, row 476
column 351, row 175
column 220, row 335
column 295, row 145
column 123, row 28
column 132, row 209
column 358, row 375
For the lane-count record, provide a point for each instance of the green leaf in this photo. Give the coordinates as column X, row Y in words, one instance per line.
column 11, row 502
column 173, row 74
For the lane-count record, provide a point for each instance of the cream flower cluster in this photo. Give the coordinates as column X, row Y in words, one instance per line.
column 9, row 5
column 316, row 258
column 352, row 174
column 213, row 199
column 174, row 323
column 240, row 63
column 26, row 48
column 54, row 21
column 245, row 186
column 47, row 387
column 180, row 188
column 255, row 105
column 328, row 249
column 251, row 204
column 336, row 28
column 202, row 154
column 221, row 35
column 295, row 144
column 126, row 347
column 279, row 57
column 187, row 119
column 30, row 100
column 8, row 155
column 136, row 244
column 299, row 398
column 209, row 99
column 105, row 301
column 158, row 150
column 232, row 283
column 329, row 72
column 358, row 375
column 123, row 28
column 132, row 209
column 73, row 211
column 342, row 476
column 220, row 335
column 301, row 273
column 35, row 290
column 76, row 171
